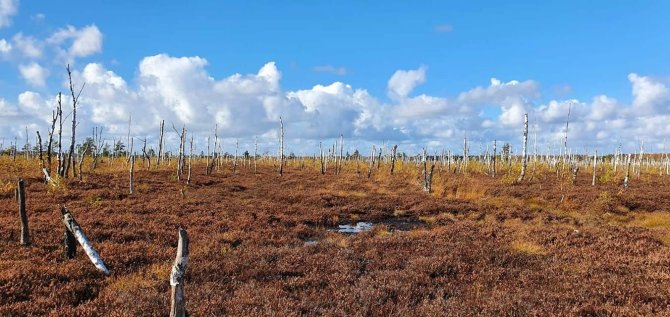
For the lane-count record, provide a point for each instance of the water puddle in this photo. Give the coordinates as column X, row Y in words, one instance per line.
column 358, row 228
column 311, row 242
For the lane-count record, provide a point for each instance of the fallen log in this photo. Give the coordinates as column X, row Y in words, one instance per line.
column 73, row 227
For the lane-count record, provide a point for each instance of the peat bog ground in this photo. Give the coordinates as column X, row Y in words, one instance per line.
column 265, row 245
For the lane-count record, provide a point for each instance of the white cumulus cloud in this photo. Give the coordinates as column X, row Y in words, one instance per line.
column 34, row 74
column 403, row 82
column 82, row 42
column 8, row 8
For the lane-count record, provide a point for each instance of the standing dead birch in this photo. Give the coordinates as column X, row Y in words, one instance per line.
column 524, row 151
column 281, row 147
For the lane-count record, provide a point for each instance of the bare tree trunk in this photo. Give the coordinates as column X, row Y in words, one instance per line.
column 373, row 151
column 132, row 172
column 207, row 157
column 177, row 299
column 565, row 141
column 595, row 161
column 54, row 115
column 190, row 162
column 532, row 173
column 180, row 159
column 639, row 160
column 495, row 170
column 60, row 135
column 255, row 155
column 237, row 145
column 427, row 175
column 393, row 155
column 39, row 148
column 626, row 180
column 129, row 153
column 524, row 151
column 75, row 99
column 339, row 164
column 21, row 197
column 160, row 143
column 81, row 160
column 323, row 167
column 281, row 147
column 145, row 156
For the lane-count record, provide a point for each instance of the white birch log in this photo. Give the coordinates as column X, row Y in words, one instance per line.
column 74, row 228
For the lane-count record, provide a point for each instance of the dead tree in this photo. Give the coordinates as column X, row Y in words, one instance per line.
column 129, row 140
column 177, row 274
column 73, row 227
column 494, row 159
column 565, row 140
column 373, row 151
column 339, row 162
column 54, row 117
column 160, row 143
column 532, row 173
column 21, row 197
column 281, row 147
column 60, row 135
column 595, row 161
column 237, row 146
column 255, row 155
column 99, row 146
column 427, row 175
column 190, row 162
column 75, row 100
column 39, row 148
column 393, row 155
column 132, row 172
column 575, row 170
column 524, row 151
column 638, row 170
column 180, row 159
column 145, row 156
column 626, row 180
column 323, row 166
column 81, row 160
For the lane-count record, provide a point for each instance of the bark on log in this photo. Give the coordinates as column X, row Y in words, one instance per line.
column 73, row 227
column 69, row 244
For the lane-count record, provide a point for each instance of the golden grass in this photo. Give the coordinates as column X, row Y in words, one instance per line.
column 665, row 239
column 528, row 247
column 652, row 220
column 431, row 220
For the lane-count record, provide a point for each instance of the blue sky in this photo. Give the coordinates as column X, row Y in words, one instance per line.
column 570, row 50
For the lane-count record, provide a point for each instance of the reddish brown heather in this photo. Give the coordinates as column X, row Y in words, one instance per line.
column 475, row 247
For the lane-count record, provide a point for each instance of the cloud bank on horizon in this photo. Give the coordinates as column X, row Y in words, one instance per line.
column 182, row 91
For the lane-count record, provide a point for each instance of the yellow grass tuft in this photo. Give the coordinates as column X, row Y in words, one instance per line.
column 665, row 239
column 431, row 220
column 528, row 247
column 653, row 220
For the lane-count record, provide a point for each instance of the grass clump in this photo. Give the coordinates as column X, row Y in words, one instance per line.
column 528, row 247
column 653, row 220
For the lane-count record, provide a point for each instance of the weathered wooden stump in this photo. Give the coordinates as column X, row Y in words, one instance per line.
column 21, row 197
column 177, row 276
